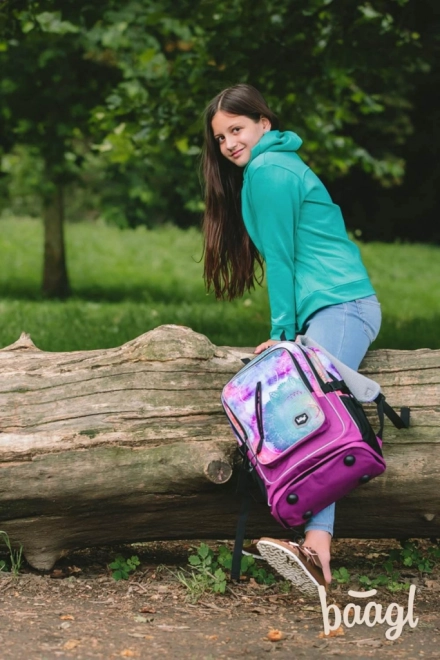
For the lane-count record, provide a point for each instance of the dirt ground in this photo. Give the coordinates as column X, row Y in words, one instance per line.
column 79, row 611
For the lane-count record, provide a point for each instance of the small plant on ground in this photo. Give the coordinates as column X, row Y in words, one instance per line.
column 209, row 571
column 206, row 574
column 121, row 567
column 15, row 555
column 410, row 555
column 249, row 567
column 341, row 575
column 390, row 580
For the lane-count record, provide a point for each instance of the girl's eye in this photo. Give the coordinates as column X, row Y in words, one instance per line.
column 236, row 129
column 220, row 139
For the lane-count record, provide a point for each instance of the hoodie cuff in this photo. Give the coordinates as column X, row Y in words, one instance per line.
column 283, row 334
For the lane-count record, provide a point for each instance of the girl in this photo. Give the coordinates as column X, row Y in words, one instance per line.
column 266, row 208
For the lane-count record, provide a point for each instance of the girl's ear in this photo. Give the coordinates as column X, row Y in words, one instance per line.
column 266, row 124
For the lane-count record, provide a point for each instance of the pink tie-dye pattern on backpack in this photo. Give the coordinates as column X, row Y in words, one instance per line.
column 310, row 437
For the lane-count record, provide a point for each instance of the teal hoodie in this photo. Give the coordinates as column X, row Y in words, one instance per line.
column 310, row 260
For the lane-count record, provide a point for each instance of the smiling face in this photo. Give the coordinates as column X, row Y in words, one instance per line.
column 237, row 135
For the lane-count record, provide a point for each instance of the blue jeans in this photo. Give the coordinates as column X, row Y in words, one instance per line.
column 346, row 331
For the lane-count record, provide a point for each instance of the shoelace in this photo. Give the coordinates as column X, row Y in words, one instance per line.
column 309, row 553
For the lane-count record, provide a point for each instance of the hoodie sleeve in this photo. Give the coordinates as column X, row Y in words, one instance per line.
column 274, row 201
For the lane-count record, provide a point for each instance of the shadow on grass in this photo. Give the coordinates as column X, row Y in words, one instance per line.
column 113, row 294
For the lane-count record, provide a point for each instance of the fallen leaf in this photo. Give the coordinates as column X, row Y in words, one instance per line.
column 71, row 644
column 333, row 633
column 67, row 617
column 274, row 635
column 211, row 637
column 432, row 584
column 128, row 653
column 147, row 610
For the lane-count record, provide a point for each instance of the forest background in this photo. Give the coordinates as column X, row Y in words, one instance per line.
column 100, row 141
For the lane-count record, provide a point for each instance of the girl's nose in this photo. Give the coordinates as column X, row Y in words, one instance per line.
column 230, row 142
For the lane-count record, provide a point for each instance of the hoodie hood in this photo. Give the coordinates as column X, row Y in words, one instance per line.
column 276, row 141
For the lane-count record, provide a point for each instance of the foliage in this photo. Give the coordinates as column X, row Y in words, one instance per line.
column 208, row 571
column 170, row 73
column 249, row 567
column 390, row 580
column 121, row 567
column 15, row 558
column 117, row 89
column 206, row 576
column 409, row 555
column 341, row 575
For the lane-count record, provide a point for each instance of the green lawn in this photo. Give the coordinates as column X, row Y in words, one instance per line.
column 126, row 282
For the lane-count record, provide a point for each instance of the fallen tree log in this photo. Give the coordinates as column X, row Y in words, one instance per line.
column 131, row 444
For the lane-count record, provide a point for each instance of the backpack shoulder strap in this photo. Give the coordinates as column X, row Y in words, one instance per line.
column 364, row 389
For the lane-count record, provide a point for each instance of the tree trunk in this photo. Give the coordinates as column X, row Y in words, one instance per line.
column 55, row 278
column 132, row 444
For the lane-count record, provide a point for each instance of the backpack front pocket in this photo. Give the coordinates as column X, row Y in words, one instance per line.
column 272, row 406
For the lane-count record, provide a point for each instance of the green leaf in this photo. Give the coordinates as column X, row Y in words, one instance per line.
column 203, row 550
column 51, row 22
column 120, row 575
column 220, row 574
column 369, row 12
column 194, row 560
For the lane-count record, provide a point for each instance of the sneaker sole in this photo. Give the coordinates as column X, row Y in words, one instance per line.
column 290, row 567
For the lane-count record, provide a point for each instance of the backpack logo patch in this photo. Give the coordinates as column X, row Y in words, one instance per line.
column 302, row 419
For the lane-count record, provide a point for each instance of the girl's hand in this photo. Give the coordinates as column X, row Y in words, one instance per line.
column 262, row 347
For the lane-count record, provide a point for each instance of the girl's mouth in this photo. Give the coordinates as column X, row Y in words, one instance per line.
column 236, row 153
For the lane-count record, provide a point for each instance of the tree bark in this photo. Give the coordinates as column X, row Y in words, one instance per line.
column 131, row 444
column 55, row 278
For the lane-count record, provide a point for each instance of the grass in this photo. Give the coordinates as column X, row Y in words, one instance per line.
column 15, row 555
column 126, row 282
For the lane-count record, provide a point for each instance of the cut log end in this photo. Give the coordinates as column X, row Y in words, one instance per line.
column 429, row 516
column 219, row 472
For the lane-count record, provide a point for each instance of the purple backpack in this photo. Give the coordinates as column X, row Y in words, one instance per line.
column 302, row 432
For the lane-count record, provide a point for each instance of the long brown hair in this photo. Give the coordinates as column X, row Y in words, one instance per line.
column 230, row 258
